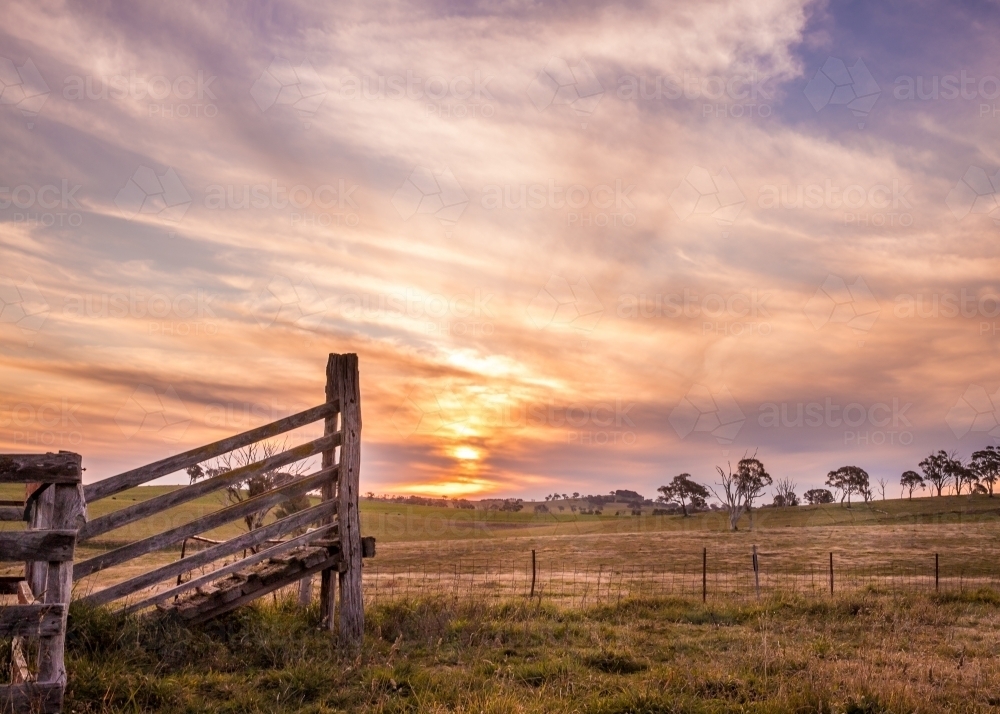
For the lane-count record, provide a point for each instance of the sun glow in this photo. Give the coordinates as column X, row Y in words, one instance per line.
column 466, row 453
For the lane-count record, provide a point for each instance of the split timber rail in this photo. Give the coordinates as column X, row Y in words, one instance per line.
column 57, row 523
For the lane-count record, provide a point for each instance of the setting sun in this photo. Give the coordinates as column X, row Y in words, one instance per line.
column 466, row 453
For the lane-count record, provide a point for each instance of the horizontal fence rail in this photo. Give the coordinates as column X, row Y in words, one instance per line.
column 216, row 552
column 117, row 519
column 136, row 477
column 217, row 576
column 221, row 517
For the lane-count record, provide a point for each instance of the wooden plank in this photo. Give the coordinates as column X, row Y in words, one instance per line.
column 329, row 563
column 136, row 477
column 343, row 371
column 69, row 511
column 286, row 524
column 11, row 513
column 117, row 519
column 328, row 583
column 208, row 578
column 35, row 697
column 19, row 671
column 63, row 467
column 54, row 545
column 31, row 620
column 40, row 518
column 199, row 525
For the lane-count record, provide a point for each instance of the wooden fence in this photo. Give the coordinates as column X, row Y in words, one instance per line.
column 333, row 548
column 54, row 509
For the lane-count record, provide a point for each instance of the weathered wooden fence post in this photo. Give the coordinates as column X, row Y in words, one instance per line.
column 69, row 513
column 328, row 578
column 55, row 503
column 756, row 573
column 343, row 377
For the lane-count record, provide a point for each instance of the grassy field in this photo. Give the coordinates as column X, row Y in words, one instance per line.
column 429, row 542
column 861, row 654
column 642, row 649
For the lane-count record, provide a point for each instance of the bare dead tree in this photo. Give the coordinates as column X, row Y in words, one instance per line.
column 255, row 485
column 784, row 492
column 882, row 483
column 731, row 495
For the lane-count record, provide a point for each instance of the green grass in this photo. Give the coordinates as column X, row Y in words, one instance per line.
column 860, row 653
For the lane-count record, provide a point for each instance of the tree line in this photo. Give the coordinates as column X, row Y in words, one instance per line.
column 740, row 491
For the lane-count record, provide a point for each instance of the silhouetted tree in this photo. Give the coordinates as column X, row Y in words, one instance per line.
column 986, row 464
column 682, row 489
column 849, row 480
column 936, row 470
column 910, row 481
column 753, row 478
column 815, row 496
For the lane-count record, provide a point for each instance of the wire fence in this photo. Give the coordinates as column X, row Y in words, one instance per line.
column 602, row 584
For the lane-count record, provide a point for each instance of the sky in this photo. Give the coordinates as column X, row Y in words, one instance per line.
column 576, row 246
